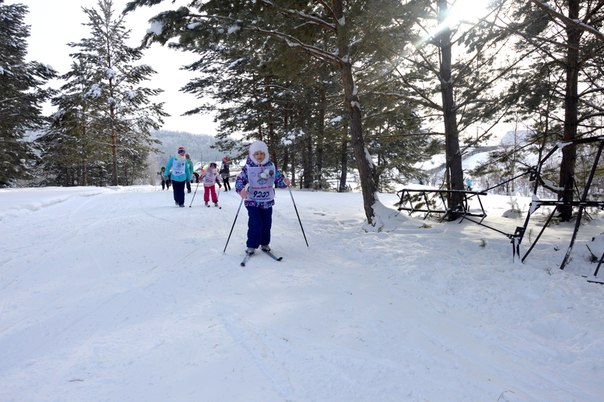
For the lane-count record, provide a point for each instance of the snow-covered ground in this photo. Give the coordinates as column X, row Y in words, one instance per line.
column 115, row 294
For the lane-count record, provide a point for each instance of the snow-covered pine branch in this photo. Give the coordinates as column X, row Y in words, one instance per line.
column 308, row 17
column 295, row 42
column 568, row 21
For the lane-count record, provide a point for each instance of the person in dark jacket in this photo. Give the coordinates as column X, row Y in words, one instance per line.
column 225, row 172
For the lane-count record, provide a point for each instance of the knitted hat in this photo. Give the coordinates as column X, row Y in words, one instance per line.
column 259, row 146
column 181, row 149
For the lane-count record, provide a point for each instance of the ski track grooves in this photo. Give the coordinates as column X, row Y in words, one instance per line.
column 65, row 236
column 259, row 352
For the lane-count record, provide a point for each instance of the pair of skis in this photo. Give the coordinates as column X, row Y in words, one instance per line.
column 208, row 205
column 268, row 252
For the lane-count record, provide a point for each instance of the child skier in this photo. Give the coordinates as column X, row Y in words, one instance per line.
column 210, row 179
column 260, row 175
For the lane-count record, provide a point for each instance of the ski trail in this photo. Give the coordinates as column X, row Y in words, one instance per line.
column 258, row 351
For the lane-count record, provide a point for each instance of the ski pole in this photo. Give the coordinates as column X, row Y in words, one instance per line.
column 231, row 232
column 194, row 194
column 298, row 215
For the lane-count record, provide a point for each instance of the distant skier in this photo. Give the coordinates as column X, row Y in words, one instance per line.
column 468, row 184
column 225, row 173
column 256, row 185
column 178, row 172
column 211, row 177
column 190, row 164
column 164, row 180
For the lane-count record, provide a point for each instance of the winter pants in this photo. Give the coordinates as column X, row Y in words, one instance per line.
column 259, row 226
column 210, row 190
column 179, row 192
column 188, row 183
column 225, row 182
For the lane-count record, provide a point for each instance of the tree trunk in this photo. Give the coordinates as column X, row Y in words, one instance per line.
column 320, row 138
column 114, row 151
column 571, row 102
column 84, row 150
column 352, row 104
column 343, row 162
column 112, row 114
column 308, row 119
column 286, row 159
column 272, row 146
column 307, row 158
column 293, row 171
column 453, row 153
column 84, row 163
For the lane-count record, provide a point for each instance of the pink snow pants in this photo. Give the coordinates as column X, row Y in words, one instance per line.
column 208, row 191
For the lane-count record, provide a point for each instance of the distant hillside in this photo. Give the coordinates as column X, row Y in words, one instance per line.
column 513, row 138
column 198, row 146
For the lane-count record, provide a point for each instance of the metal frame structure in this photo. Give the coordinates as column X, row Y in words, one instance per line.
column 424, row 200
column 408, row 203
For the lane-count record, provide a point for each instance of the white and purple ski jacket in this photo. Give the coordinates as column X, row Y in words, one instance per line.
column 262, row 180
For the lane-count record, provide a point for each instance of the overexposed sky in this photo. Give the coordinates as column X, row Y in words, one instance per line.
column 55, row 23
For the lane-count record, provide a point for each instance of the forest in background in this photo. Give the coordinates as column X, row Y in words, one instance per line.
column 335, row 88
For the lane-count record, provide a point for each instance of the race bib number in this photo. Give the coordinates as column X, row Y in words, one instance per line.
column 210, row 178
column 178, row 168
column 262, row 182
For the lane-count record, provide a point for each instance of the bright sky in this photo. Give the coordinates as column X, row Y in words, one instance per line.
column 55, row 23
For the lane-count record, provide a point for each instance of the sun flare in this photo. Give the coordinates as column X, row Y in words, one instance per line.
column 466, row 10
column 460, row 12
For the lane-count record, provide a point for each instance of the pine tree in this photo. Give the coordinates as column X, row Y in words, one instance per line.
column 103, row 105
column 21, row 94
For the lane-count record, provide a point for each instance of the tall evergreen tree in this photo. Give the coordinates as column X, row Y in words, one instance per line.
column 104, row 103
column 21, row 94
